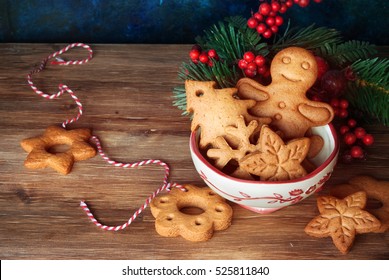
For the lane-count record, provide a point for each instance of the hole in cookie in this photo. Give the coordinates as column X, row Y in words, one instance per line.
column 373, row 203
column 219, row 209
column 191, row 210
column 170, row 217
column 199, row 93
column 164, row 200
column 211, row 193
column 198, row 222
column 57, row 149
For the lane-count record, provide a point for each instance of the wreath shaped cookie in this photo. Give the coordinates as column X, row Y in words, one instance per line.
column 172, row 222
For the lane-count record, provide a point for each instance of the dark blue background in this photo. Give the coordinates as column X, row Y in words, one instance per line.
column 171, row 21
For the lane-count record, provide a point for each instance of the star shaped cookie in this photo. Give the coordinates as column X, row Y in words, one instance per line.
column 276, row 161
column 375, row 189
column 342, row 219
column 39, row 149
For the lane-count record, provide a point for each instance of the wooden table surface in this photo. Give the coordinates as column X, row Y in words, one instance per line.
column 127, row 99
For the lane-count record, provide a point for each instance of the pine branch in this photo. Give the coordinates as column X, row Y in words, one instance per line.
column 375, row 71
column 231, row 39
column 221, row 72
column 370, row 92
column 310, row 38
column 251, row 39
column 179, row 96
column 339, row 55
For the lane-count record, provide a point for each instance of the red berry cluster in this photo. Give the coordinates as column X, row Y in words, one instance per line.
column 197, row 55
column 253, row 65
column 355, row 137
column 268, row 18
column 329, row 88
column 340, row 107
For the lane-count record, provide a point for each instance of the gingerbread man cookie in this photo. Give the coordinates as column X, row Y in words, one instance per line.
column 293, row 71
column 40, row 157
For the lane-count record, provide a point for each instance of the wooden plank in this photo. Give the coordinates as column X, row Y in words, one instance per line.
column 126, row 93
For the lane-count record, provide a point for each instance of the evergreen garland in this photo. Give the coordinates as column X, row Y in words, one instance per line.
column 232, row 38
column 370, row 91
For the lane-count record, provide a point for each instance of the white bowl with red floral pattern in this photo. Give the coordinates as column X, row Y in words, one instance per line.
column 267, row 197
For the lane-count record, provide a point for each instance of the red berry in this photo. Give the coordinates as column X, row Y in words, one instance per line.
column 317, row 1
column 303, row 3
column 275, row 6
column 213, row 54
column 260, row 60
column 368, row 139
column 196, row 47
column 261, row 28
column 203, row 57
column 210, row 63
column 252, row 23
column 262, row 70
column 258, row 17
column 242, row 64
column 194, row 54
column 283, row 8
column 344, row 129
column 334, row 102
column 359, row 132
column 356, row 152
column 289, row 3
column 250, row 74
column 343, row 103
column 252, row 66
column 279, row 20
column 352, row 123
column 333, row 82
column 322, row 66
column 264, row 9
column 316, row 98
column 343, row 113
column 270, row 21
column 248, row 56
column 272, row 14
column 349, row 138
column 274, row 28
column 267, row 34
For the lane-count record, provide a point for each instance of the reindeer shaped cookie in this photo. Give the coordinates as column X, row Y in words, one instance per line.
column 293, row 71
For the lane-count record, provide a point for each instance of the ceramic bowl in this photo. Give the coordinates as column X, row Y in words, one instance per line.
column 266, row 197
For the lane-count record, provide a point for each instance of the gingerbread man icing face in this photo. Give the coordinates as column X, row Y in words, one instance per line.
column 294, row 67
column 293, row 71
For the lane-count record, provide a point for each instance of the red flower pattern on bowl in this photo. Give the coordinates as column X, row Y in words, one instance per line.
column 266, row 197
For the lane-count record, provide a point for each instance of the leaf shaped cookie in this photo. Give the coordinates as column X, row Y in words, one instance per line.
column 276, row 161
column 342, row 219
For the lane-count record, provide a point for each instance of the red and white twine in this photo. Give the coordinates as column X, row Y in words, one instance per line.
column 62, row 89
